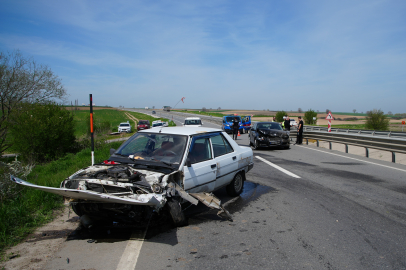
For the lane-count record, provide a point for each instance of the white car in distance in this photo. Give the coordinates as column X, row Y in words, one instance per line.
column 124, row 127
column 193, row 122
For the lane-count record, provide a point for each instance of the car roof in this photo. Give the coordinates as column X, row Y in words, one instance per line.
column 182, row 130
column 192, row 118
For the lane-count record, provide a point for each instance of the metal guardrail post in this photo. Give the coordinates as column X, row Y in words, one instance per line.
column 317, row 143
column 307, row 141
column 367, row 152
column 330, row 145
column 346, row 148
column 393, row 157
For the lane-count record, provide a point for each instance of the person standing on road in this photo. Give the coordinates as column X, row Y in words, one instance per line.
column 287, row 123
column 236, row 126
column 299, row 139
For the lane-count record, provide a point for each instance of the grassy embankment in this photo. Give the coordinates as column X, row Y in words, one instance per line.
column 32, row 208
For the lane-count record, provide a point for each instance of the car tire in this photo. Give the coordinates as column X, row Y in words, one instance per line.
column 76, row 208
column 236, row 186
column 256, row 145
column 175, row 209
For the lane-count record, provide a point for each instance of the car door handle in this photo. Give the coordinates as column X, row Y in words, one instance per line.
column 234, row 158
column 213, row 166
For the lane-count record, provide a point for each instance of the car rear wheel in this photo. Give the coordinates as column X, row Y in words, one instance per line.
column 236, row 186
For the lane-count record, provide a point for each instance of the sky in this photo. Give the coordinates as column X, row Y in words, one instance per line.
column 254, row 55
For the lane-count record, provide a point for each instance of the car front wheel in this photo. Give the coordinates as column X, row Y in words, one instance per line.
column 256, row 144
column 236, row 186
column 175, row 209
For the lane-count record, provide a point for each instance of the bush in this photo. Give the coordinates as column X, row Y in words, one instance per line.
column 42, row 132
column 376, row 120
column 9, row 189
column 308, row 117
column 279, row 116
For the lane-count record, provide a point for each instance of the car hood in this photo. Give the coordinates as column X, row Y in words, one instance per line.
column 272, row 132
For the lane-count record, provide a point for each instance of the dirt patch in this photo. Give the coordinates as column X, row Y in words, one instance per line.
column 39, row 247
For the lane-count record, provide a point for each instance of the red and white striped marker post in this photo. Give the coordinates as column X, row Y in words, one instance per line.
column 329, row 117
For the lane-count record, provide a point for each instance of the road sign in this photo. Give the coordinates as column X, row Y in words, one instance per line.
column 329, row 116
column 403, row 122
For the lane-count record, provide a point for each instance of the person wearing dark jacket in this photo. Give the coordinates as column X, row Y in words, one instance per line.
column 287, row 123
column 299, row 139
column 235, row 126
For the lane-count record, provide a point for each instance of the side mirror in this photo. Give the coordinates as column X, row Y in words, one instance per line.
column 188, row 163
column 112, row 151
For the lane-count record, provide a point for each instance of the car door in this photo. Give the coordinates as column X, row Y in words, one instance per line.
column 226, row 159
column 200, row 176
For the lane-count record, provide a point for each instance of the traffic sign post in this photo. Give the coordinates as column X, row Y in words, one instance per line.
column 403, row 124
column 329, row 117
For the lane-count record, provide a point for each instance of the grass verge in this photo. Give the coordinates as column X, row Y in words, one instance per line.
column 33, row 208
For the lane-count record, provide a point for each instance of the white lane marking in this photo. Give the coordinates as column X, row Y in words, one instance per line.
column 277, row 167
column 386, row 166
column 130, row 255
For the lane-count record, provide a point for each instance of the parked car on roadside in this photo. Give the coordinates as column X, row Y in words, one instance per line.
column 293, row 123
column 193, row 122
column 153, row 112
column 267, row 134
column 228, row 122
column 143, row 124
column 159, row 123
column 125, row 127
column 154, row 172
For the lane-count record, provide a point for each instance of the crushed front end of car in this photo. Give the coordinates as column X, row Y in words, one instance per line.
column 272, row 137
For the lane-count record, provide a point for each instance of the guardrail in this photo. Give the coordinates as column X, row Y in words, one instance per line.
column 394, row 142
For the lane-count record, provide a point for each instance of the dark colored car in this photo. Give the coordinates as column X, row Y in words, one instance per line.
column 143, row 124
column 266, row 134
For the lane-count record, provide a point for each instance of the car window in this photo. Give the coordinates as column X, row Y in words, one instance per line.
column 201, row 151
column 124, row 125
column 273, row 125
column 231, row 118
column 220, row 145
column 193, row 122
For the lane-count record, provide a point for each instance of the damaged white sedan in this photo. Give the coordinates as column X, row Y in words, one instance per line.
column 156, row 171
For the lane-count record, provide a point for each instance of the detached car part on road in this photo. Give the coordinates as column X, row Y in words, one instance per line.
column 266, row 134
column 156, row 171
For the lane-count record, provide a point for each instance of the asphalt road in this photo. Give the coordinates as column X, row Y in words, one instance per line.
column 302, row 208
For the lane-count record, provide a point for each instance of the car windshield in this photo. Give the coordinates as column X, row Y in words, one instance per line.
column 124, row 125
column 143, row 122
column 193, row 122
column 273, row 125
column 231, row 118
column 157, row 124
column 154, row 147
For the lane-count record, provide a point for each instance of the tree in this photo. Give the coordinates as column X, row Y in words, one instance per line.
column 279, row 116
column 23, row 80
column 389, row 113
column 354, row 110
column 299, row 110
column 376, row 120
column 308, row 117
column 327, row 111
column 42, row 132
